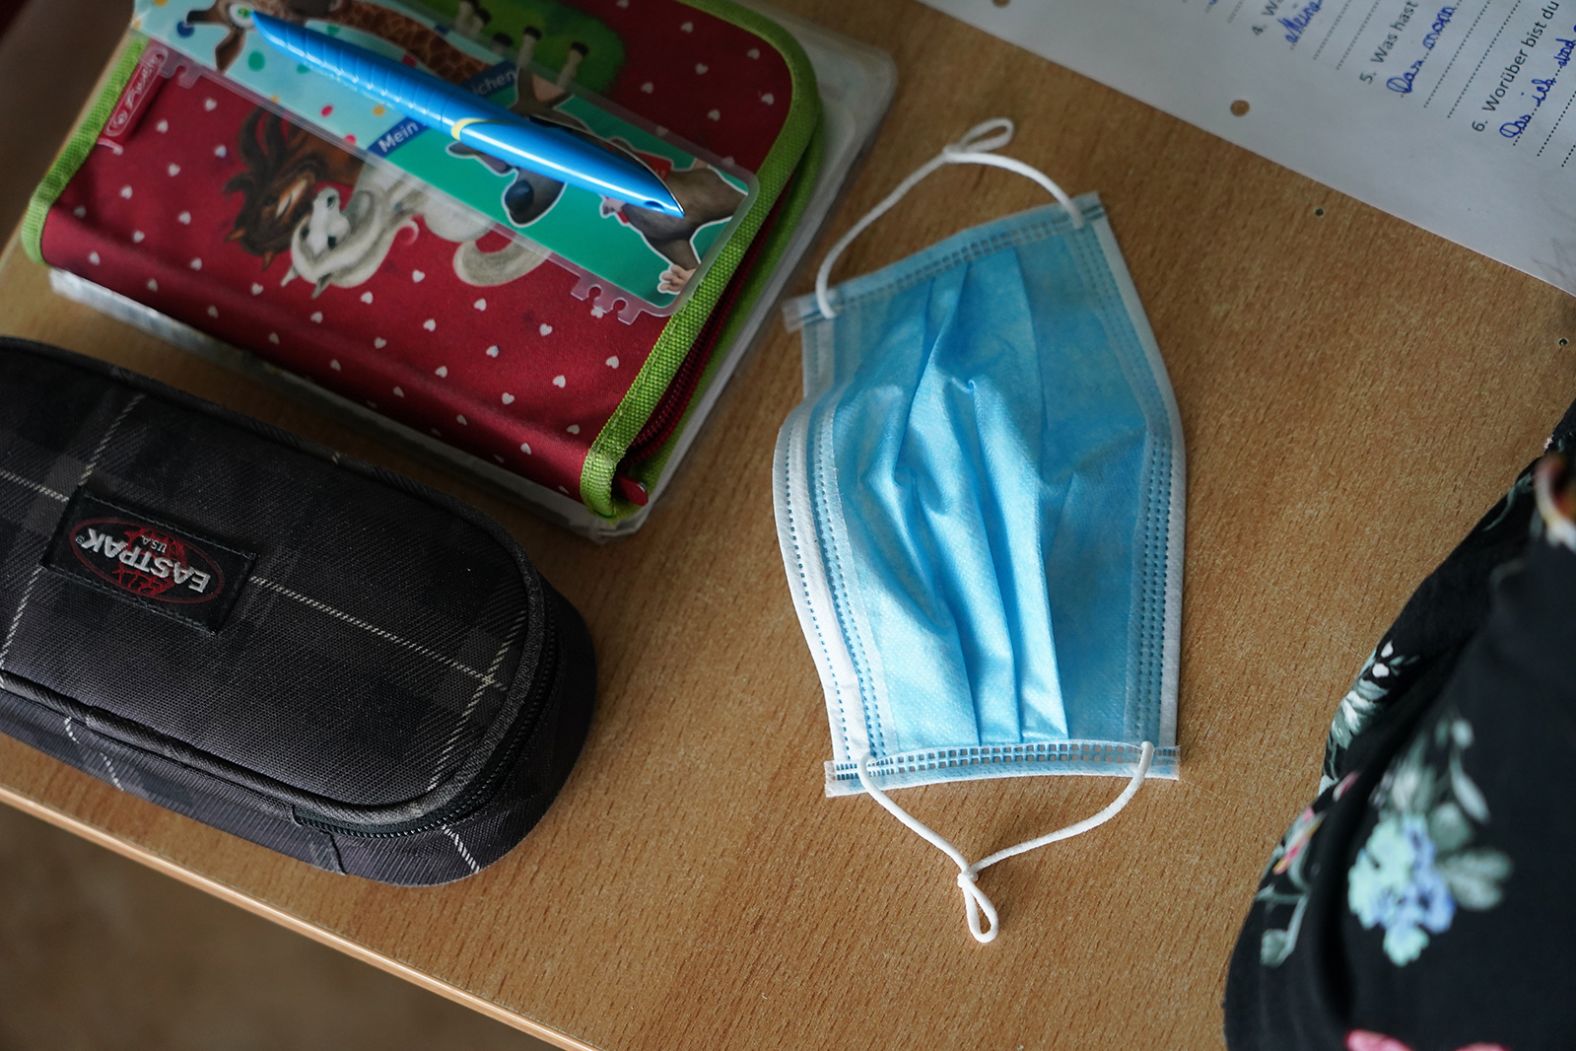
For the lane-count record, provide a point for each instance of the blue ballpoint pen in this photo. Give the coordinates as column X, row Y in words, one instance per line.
column 563, row 153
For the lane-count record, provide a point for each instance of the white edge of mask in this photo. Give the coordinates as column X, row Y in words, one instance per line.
column 1176, row 527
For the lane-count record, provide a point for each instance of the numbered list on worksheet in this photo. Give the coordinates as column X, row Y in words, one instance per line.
column 1491, row 68
column 1459, row 117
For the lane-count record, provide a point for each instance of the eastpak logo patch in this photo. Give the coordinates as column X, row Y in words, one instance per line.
column 143, row 559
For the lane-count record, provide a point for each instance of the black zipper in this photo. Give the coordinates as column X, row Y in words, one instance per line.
column 484, row 789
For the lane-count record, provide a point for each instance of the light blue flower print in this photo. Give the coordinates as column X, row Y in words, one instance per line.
column 1394, row 884
column 1418, row 868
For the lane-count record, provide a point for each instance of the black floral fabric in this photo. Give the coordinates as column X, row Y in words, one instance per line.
column 1422, row 901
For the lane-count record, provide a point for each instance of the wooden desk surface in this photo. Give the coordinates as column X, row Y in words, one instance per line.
column 1354, row 392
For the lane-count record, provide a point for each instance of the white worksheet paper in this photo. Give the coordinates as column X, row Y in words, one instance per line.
column 1458, row 117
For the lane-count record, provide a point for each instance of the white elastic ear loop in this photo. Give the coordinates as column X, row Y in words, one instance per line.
column 974, row 148
column 974, row 900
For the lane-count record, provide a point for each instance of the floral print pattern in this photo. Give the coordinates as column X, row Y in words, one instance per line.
column 1415, row 847
column 1286, row 881
column 1419, row 866
column 1377, row 680
column 1363, row 1040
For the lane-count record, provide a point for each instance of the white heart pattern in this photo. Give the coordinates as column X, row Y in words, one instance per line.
column 317, row 317
column 380, row 343
column 648, row 87
column 220, row 152
column 125, row 193
column 461, row 420
column 366, row 297
column 573, row 428
column 492, row 351
column 480, row 304
column 768, row 98
column 754, row 52
column 273, row 337
column 399, row 392
column 525, row 447
column 213, row 311
column 185, row 218
column 417, row 276
column 701, row 68
column 431, row 325
column 612, row 362
column 560, row 382
column 80, row 212
column 687, row 27
column 153, row 286
column 545, row 329
column 195, row 264
column 257, row 289
column 137, row 237
column 174, row 170
column 93, row 257
column 210, row 105
column 442, row 372
column 508, row 399
column 162, row 126
column 333, row 363
column 714, row 115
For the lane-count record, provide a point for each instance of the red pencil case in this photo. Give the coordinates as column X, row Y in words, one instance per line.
column 182, row 194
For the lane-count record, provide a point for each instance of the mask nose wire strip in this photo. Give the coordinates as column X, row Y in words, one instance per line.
column 976, row 147
column 975, row 902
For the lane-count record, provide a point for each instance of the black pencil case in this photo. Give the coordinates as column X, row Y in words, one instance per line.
column 317, row 655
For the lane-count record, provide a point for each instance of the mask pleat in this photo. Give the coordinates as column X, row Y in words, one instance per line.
column 991, row 473
column 988, row 428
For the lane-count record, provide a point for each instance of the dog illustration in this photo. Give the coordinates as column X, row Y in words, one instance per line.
column 344, row 243
column 285, row 165
column 706, row 198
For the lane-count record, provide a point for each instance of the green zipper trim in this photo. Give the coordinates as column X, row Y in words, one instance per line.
column 78, row 146
column 649, row 470
column 684, row 327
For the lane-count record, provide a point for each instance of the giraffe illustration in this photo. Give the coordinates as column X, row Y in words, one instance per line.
column 228, row 13
column 432, row 49
column 427, row 46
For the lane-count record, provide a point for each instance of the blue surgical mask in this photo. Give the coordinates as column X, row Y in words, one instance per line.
column 980, row 508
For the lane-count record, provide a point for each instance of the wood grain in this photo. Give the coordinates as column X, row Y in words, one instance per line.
column 1354, row 392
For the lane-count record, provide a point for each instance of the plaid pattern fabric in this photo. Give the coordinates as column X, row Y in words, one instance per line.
column 382, row 657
